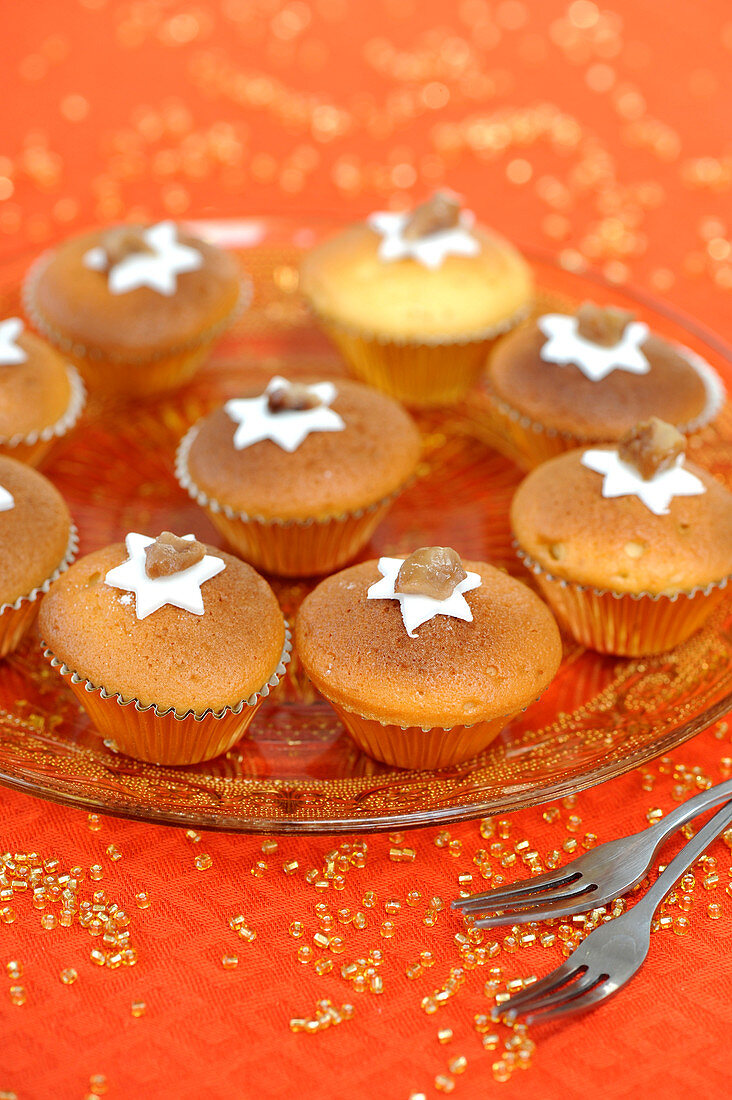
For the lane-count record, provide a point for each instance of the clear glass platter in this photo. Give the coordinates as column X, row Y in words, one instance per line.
column 297, row 770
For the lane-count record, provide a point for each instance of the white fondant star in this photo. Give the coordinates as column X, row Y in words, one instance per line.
column 287, row 429
column 622, row 480
column 10, row 353
column 564, row 345
column 430, row 251
column 420, row 609
column 7, row 500
column 158, row 269
column 179, row 589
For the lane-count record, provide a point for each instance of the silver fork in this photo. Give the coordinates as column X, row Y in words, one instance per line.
column 596, row 878
column 612, row 953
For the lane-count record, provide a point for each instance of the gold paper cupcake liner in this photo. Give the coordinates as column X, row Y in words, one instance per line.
column 17, row 618
column 528, row 443
column 129, row 375
column 420, row 373
column 627, row 624
column 165, row 736
column 288, row 548
column 416, row 748
column 33, row 447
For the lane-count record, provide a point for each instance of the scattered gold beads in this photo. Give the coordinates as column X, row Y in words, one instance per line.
column 203, row 862
column 138, row 1008
column 326, row 1015
column 69, row 976
column 230, row 962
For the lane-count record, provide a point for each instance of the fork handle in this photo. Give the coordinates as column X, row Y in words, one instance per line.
column 684, row 859
column 690, row 809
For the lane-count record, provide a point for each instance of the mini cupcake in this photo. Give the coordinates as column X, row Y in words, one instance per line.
column 170, row 645
column 631, row 545
column 136, row 308
column 41, row 396
column 297, row 477
column 37, row 543
column 424, row 659
column 414, row 301
column 564, row 380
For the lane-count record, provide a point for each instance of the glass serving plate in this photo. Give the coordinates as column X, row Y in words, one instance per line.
column 297, row 770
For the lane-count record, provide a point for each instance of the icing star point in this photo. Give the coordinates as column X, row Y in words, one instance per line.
column 418, row 609
column 565, row 346
column 181, row 589
column 430, row 251
column 621, row 479
column 157, row 268
column 10, row 352
column 256, row 422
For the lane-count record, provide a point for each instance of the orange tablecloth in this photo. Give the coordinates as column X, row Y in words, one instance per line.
column 602, row 134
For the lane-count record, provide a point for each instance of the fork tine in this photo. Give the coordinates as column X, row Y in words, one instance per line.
column 533, row 1006
column 564, row 906
column 583, row 1003
column 544, row 897
column 558, row 977
column 546, row 880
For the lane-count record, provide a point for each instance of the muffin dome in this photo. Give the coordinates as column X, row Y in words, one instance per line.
column 172, row 658
column 563, row 522
column 451, row 673
column 330, row 472
column 345, row 281
column 35, row 394
column 34, row 533
column 71, row 302
column 560, row 398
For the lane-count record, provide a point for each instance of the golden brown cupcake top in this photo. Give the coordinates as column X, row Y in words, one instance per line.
column 35, row 393
column 72, row 300
column 452, row 672
column 329, row 473
column 561, row 519
column 563, row 398
column 346, row 281
column 172, row 657
column 34, row 532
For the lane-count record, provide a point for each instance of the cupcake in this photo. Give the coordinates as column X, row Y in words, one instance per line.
column 630, row 544
column 170, row 645
column 297, row 477
column 136, row 308
column 564, row 380
column 41, row 396
column 414, row 301
column 37, row 543
column 426, row 659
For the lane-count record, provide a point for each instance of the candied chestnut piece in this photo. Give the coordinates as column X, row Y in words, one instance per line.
column 602, row 325
column 170, row 554
column 292, row 397
column 438, row 214
column 433, row 571
column 651, row 447
column 123, row 241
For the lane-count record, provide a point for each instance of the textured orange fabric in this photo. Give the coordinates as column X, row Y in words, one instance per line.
column 164, row 107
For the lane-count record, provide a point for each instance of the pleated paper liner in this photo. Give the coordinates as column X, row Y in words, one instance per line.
column 419, row 373
column 163, row 736
column 416, row 748
column 627, row 624
column 17, row 618
column 288, row 548
column 132, row 376
column 34, row 447
column 528, row 443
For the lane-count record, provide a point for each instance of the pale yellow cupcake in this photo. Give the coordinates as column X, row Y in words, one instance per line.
column 414, row 301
